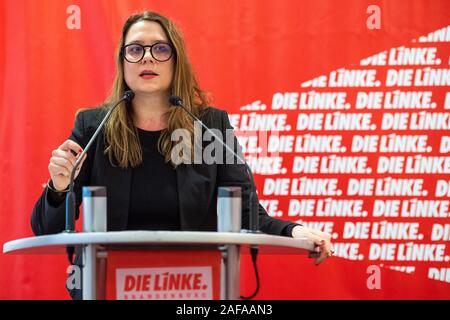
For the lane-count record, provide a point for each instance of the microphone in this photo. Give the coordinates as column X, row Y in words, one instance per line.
column 253, row 214
column 70, row 198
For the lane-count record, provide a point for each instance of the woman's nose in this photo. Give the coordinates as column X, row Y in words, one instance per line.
column 147, row 55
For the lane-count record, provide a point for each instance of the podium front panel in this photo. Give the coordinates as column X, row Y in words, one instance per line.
column 163, row 274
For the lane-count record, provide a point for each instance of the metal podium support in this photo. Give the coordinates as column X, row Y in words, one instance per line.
column 94, row 272
column 89, row 272
column 230, row 272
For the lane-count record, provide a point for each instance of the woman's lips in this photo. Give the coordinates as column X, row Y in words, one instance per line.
column 148, row 76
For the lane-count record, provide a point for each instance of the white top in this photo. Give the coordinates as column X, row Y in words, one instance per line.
column 56, row 244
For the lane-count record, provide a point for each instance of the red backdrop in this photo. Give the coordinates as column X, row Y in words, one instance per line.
column 243, row 51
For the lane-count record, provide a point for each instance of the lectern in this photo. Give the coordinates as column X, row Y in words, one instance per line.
column 160, row 264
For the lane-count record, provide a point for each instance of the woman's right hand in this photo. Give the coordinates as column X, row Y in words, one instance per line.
column 322, row 241
column 62, row 163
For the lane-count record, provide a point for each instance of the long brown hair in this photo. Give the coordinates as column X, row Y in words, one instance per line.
column 121, row 138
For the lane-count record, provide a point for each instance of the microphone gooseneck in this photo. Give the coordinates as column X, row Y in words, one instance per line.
column 70, row 197
column 253, row 214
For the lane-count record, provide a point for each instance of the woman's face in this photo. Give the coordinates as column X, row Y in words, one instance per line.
column 148, row 76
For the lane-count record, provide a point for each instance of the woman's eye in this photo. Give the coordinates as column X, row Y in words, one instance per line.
column 162, row 48
column 134, row 49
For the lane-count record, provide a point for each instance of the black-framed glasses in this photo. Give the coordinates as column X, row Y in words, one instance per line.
column 160, row 51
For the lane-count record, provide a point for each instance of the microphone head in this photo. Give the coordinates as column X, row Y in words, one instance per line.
column 175, row 101
column 128, row 95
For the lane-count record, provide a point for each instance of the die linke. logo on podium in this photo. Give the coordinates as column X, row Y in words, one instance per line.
column 164, row 283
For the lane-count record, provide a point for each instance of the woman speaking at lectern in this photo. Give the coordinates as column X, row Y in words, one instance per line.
column 147, row 188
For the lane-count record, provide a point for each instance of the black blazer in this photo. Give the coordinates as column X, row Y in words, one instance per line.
column 197, row 185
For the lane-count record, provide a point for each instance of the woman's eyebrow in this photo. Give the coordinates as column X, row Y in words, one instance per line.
column 143, row 42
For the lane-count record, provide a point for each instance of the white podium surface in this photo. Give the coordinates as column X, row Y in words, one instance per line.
column 56, row 244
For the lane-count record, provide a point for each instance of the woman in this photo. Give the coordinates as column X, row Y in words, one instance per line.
column 133, row 155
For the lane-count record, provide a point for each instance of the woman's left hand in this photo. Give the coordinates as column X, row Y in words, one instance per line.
column 322, row 240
